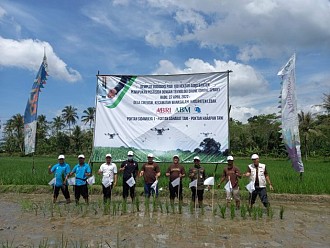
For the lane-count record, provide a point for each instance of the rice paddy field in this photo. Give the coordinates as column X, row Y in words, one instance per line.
column 21, row 173
column 297, row 217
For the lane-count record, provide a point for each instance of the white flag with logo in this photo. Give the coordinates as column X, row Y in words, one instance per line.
column 52, row 182
column 71, row 181
column 176, row 182
column 106, row 181
column 131, row 182
column 228, row 186
column 209, row 181
column 250, row 186
column 91, row 180
column 193, row 184
column 154, row 185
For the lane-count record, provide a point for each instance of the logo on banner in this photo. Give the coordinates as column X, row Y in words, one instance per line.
column 164, row 111
column 183, row 110
column 197, row 110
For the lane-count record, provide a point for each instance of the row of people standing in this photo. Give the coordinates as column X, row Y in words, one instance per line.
column 150, row 171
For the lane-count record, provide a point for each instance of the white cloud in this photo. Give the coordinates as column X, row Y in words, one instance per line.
column 28, row 54
column 244, row 79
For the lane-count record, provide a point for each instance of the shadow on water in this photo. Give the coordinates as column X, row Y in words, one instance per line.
column 28, row 220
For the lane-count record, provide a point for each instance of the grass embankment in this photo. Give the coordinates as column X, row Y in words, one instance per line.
column 17, row 175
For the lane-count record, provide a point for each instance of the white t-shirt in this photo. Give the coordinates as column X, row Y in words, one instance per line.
column 108, row 171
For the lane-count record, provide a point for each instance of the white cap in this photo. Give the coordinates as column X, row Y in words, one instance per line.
column 81, row 156
column 176, row 156
column 254, row 156
column 196, row 158
column 130, row 153
column 150, row 155
column 61, row 157
column 108, row 155
column 230, row 158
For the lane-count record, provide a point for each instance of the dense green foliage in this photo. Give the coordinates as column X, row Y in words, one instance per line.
column 18, row 171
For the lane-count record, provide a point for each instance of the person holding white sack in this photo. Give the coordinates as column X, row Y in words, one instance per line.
column 130, row 169
column 259, row 175
column 61, row 171
column 231, row 174
column 108, row 170
column 150, row 172
column 175, row 172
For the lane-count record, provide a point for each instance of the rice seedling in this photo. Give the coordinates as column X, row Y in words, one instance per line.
column 160, row 205
column 232, row 211
column 223, row 210
column 180, row 207
column 146, row 205
column 270, row 212
column 154, row 204
column 167, row 207
column 124, row 206
column 243, row 211
column 254, row 213
column 260, row 212
column 137, row 203
column 8, row 244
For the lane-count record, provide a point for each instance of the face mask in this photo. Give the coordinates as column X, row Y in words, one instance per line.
column 129, row 158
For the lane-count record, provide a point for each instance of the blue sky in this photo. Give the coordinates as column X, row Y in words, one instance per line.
column 253, row 38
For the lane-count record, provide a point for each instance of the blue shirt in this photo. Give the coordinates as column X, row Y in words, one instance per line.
column 80, row 171
column 60, row 171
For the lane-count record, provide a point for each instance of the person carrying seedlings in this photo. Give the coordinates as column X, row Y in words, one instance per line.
column 60, row 170
column 130, row 169
column 150, row 172
column 108, row 170
column 175, row 172
column 231, row 174
column 197, row 177
column 82, row 171
column 258, row 175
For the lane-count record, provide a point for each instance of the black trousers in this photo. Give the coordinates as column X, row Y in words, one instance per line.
column 106, row 193
column 200, row 194
column 127, row 189
column 262, row 193
column 64, row 189
column 80, row 190
column 175, row 191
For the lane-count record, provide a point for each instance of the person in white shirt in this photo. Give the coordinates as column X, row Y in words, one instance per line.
column 108, row 170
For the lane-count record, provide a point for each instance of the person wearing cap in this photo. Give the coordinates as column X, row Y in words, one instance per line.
column 61, row 171
column 82, row 171
column 232, row 173
column 259, row 175
column 129, row 168
column 174, row 171
column 197, row 173
column 150, row 172
column 108, row 170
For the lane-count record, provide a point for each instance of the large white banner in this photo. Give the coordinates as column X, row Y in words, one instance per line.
column 290, row 122
column 167, row 115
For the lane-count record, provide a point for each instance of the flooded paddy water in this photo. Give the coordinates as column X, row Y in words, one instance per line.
column 30, row 220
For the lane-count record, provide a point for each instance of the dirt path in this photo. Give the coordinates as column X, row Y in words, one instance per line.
column 28, row 220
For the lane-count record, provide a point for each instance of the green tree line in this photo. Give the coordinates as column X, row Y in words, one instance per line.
column 261, row 134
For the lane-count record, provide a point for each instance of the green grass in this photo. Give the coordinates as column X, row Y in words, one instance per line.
column 17, row 171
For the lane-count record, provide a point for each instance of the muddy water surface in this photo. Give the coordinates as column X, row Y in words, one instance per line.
column 28, row 220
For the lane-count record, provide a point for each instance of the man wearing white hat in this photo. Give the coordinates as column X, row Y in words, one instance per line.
column 197, row 173
column 130, row 169
column 61, row 170
column 259, row 175
column 231, row 173
column 150, row 172
column 108, row 170
column 82, row 171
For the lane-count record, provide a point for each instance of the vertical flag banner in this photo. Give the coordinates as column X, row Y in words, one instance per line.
column 289, row 114
column 166, row 115
column 30, row 115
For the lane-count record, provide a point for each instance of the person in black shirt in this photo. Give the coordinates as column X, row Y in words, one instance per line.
column 130, row 169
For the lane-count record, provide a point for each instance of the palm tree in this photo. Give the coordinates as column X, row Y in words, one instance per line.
column 326, row 102
column 307, row 128
column 58, row 124
column 14, row 133
column 69, row 114
column 89, row 116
